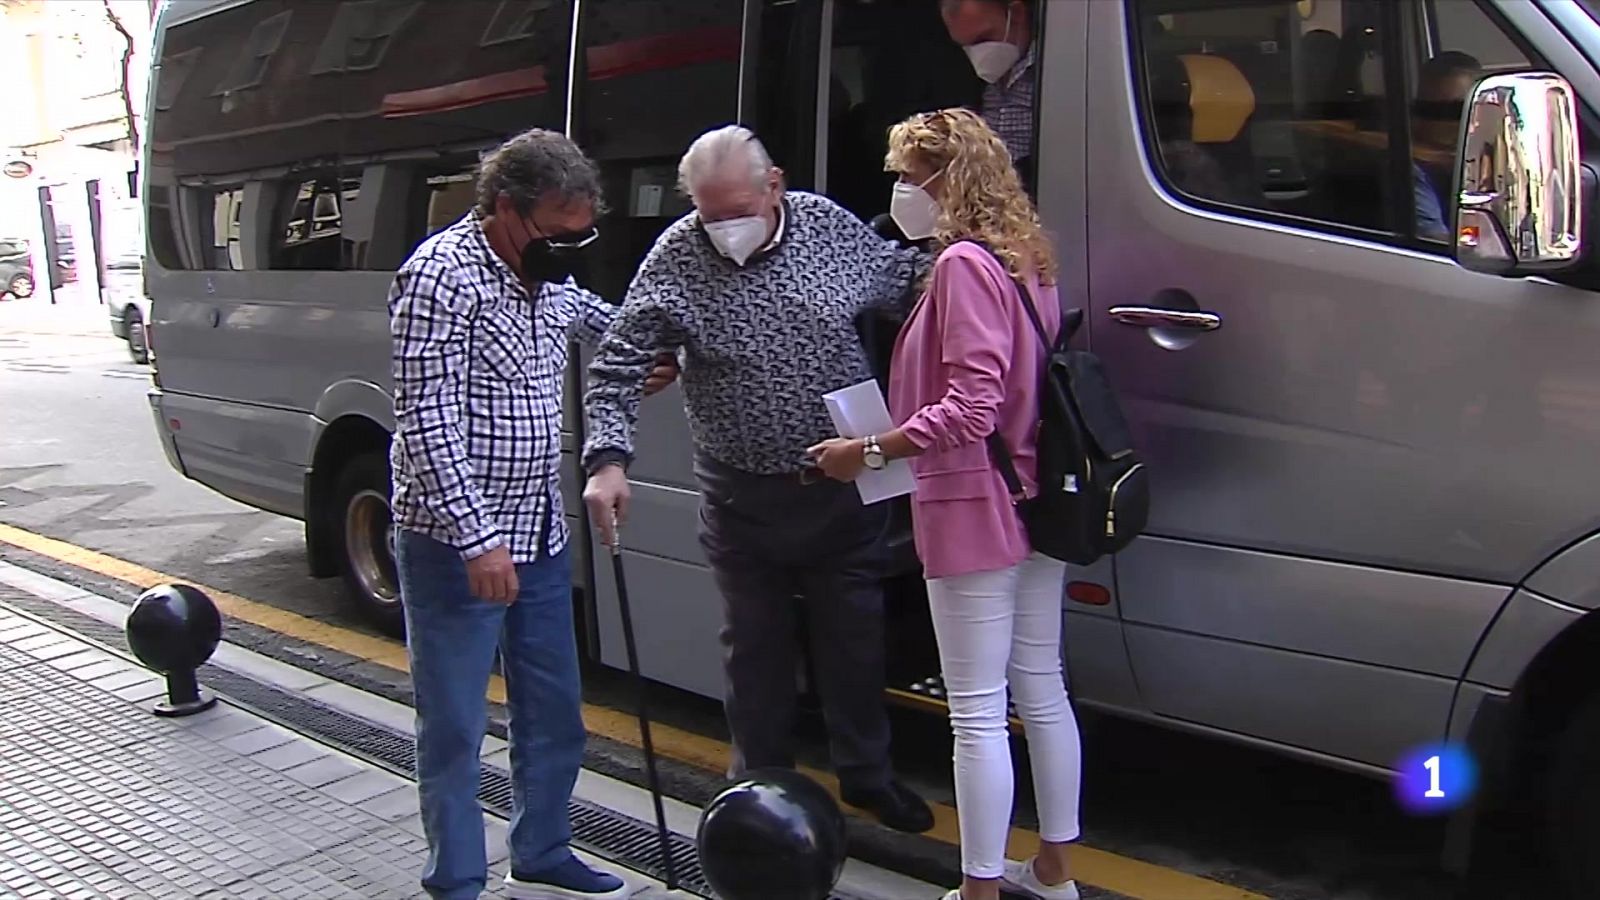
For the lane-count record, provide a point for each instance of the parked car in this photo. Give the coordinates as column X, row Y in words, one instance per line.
column 16, row 268
column 126, row 305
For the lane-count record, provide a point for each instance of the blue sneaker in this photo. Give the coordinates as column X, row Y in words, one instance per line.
column 571, row 880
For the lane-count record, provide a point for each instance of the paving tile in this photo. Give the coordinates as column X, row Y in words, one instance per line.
column 258, row 739
column 139, row 693
column 45, row 638
column 221, row 722
column 124, row 679
column 394, row 805
column 78, row 660
column 362, row 786
column 323, row 771
column 287, row 756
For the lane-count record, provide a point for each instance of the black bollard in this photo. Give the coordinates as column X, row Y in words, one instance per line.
column 173, row 629
column 776, row 835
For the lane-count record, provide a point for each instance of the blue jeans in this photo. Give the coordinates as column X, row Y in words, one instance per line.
column 451, row 638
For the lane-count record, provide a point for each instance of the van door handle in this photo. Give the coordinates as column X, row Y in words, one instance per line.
column 1161, row 317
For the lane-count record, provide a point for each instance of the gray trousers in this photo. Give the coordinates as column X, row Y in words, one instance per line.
column 781, row 549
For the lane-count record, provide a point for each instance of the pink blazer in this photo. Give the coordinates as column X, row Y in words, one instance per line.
column 967, row 362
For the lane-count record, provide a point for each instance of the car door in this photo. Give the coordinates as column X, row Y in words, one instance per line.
column 1350, row 471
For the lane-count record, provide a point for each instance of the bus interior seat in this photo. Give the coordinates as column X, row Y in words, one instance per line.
column 1222, row 104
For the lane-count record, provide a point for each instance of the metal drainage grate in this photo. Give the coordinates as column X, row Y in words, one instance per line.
column 596, row 829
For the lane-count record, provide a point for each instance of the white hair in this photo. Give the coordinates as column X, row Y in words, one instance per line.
column 717, row 151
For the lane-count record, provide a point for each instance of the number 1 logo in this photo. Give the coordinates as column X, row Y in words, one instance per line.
column 1435, row 778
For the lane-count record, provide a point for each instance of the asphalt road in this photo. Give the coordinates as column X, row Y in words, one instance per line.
column 80, row 462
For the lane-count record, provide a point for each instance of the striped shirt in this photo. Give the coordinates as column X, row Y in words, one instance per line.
column 478, row 364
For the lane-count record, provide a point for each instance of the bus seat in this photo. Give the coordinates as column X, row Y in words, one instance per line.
column 1220, row 96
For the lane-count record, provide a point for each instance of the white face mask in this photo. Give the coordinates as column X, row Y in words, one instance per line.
column 993, row 59
column 738, row 239
column 914, row 210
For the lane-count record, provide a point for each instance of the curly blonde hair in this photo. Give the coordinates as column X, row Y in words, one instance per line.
column 983, row 199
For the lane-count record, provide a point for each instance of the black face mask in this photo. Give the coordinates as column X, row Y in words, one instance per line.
column 554, row 259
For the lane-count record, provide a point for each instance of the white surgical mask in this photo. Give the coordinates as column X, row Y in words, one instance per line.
column 993, row 59
column 738, row 239
column 914, row 210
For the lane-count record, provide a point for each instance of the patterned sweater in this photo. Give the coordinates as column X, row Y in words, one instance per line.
column 760, row 344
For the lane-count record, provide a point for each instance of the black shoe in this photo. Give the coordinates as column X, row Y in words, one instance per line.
column 895, row 806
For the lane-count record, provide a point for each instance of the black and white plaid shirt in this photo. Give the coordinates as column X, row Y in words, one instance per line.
column 478, row 370
column 1008, row 106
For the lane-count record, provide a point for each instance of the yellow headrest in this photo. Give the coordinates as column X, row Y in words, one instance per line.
column 1220, row 96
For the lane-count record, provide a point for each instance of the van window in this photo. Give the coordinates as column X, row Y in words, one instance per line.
column 1259, row 106
column 1463, row 26
column 657, row 75
column 223, row 249
column 1465, row 44
column 311, row 236
column 1265, row 106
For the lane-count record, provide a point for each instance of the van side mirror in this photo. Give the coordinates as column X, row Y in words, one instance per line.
column 1524, row 200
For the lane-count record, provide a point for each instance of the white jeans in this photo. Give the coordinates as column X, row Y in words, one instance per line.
column 996, row 628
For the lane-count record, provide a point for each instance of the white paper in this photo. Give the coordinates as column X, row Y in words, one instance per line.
column 858, row 411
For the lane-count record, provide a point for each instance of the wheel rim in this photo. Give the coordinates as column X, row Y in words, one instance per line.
column 22, row 286
column 369, row 539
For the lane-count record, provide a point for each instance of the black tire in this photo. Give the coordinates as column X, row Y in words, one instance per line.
column 21, row 285
column 1575, row 803
column 133, row 327
column 366, row 546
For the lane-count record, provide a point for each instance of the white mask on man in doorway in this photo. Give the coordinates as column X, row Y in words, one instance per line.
column 993, row 59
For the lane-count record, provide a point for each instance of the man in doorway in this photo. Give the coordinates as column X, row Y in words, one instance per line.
column 480, row 317
column 1442, row 89
column 759, row 287
column 998, row 38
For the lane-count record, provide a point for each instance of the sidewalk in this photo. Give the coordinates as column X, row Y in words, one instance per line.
column 77, row 313
column 101, row 798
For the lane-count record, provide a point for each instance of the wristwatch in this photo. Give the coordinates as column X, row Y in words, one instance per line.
column 871, row 453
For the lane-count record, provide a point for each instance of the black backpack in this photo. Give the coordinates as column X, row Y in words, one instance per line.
column 1094, row 492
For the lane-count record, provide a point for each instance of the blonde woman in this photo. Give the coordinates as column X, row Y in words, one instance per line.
column 968, row 362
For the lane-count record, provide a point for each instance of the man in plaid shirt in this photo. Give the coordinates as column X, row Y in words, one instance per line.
column 997, row 36
column 481, row 315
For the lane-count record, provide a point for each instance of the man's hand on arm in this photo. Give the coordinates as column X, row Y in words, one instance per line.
column 663, row 375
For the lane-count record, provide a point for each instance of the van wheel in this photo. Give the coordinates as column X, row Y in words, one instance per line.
column 1575, row 803
column 367, row 542
column 133, row 326
column 21, row 285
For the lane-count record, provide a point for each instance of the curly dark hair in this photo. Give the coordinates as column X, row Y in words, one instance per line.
column 533, row 164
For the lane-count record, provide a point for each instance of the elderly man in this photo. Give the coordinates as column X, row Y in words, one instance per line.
column 998, row 38
column 481, row 314
column 760, row 288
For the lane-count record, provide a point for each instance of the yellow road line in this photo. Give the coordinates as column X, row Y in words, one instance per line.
column 1109, row 871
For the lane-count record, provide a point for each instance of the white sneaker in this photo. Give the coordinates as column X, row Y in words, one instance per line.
column 953, row 895
column 1020, row 875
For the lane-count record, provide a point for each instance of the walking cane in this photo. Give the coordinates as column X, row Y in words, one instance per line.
column 643, row 708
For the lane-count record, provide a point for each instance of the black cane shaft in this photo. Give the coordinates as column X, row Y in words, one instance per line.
column 652, row 778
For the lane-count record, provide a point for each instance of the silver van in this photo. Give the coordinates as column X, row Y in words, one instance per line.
column 1337, row 254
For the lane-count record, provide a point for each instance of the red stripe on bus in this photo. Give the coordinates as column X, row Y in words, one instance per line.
column 463, row 94
column 616, row 60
